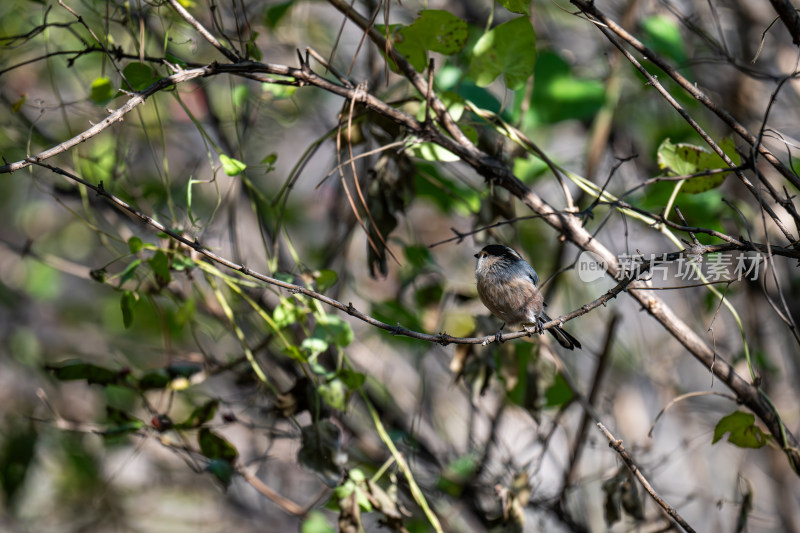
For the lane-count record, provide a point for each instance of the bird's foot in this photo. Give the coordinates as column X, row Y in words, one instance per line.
column 531, row 328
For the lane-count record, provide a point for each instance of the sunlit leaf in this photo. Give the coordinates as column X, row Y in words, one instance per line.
column 743, row 431
column 231, row 167
column 313, row 346
column 135, row 244
column 240, row 94
column 522, row 7
column 315, row 522
column 437, row 30
column 101, row 91
column 334, row 393
column 508, row 49
column 279, row 91
column 683, row 159
column 663, row 35
column 434, row 30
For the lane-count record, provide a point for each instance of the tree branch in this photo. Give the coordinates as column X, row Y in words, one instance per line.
column 628, row 460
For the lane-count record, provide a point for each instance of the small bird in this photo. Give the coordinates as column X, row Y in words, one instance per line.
column 507, row 287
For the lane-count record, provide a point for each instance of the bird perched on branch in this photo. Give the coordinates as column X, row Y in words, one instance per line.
column 507, row 286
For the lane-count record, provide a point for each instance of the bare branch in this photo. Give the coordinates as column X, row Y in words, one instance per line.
column 628, row 460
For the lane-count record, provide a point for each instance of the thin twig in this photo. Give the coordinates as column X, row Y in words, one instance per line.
column 628, row 460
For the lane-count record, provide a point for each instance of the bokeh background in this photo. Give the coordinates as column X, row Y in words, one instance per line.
column 485, row 430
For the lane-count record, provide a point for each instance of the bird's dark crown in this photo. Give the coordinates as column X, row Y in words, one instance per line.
column 503, row 252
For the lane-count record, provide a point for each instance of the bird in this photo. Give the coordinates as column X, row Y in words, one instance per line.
column 507, row 286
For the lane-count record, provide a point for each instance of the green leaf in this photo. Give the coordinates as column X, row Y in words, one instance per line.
column 252, row 50
column 231, row 167
column 508, row 49
column 240, row 94
column 334, row 393
column 456, row 474
column 127, row 274
column 392, row 312
column 186, row 312
column 559, row 393
column 529, row 168
column 120, row 422
column 430, row 151
column 434, row 30
column 42, row 281
column 287, row 312
column 181, row 262
column 17, row 451
column 325, row 279
column 522, row 7
column 16, row 106
column 175, row 60
column 200, row 415
column 334, row 330
column 135, row 244
column 683, row 159
column 418, row 256
column 353, row 380
column 743, row 431
column 559, row 95
column 437, row 30
column 278, row 90
column 315, row 522
column 222, row 470
column 139, row 75
column 160, row 265
column 215, row 447
column 101, row 92
column 276, row 12
column 269, row 162
column 156, row 379
column 75, row 369
column 313, row 346
column 663, row 35
column 126, row 303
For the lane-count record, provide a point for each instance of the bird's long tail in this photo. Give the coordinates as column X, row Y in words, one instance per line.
column 564, row 339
